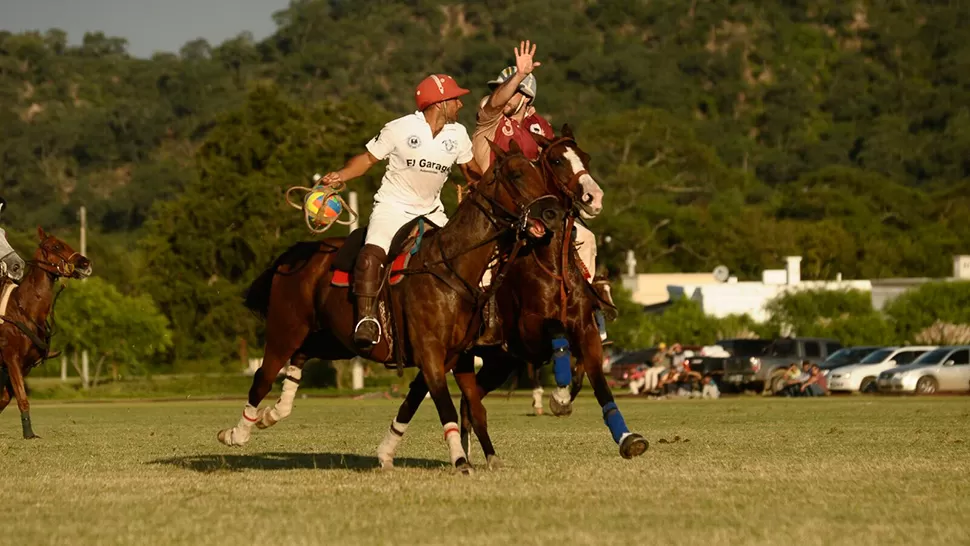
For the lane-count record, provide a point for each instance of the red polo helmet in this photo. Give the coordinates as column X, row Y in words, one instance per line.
column 436, row 88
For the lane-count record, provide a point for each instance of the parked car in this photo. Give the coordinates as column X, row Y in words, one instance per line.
column 942, row 369
column 861, row 377
column 767, row 371
column 846, row 356
column 710, row 365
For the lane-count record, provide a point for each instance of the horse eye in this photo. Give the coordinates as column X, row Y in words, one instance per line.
column 557, row 161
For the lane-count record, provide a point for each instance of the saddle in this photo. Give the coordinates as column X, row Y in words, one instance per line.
column 405, row 244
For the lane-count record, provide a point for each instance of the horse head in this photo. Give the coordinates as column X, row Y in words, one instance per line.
column 58, row 258
column 568, row 166
column 519, row 188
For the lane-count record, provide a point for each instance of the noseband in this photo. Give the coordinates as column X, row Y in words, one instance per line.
column 539, row 208
column 63, row 268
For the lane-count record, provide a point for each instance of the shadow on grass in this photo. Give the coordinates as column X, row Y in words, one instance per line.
column 289, row 461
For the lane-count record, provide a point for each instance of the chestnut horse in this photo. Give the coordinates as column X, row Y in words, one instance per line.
column 25, row 332
column 544, row 314
column 435, row 310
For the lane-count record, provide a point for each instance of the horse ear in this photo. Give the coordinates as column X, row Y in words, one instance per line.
column 541, row 140
column 514, row 147
column 40, row 233
column 567, row 131
column 499, row 152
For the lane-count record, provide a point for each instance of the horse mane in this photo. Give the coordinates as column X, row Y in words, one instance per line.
column 256, row 296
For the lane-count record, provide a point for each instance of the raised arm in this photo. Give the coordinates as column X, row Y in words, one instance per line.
column 523, row 67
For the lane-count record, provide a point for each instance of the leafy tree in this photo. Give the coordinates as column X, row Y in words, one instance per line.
column 127, row 331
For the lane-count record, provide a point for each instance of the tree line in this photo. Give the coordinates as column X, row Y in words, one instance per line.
column 723, row 133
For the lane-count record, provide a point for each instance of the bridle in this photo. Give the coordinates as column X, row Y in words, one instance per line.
column 550, row 173
column 504, row 221
column 62, row 268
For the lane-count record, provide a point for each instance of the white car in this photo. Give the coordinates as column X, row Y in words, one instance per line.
column 943, row 369
column 861, row 377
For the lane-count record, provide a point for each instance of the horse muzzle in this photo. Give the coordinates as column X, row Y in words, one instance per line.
column 542, row 216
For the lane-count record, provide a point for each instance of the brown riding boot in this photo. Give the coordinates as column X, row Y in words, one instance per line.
column 601, row 285
column 367, row 284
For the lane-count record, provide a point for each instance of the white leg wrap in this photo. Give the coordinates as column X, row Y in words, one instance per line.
column 392, row 438
column 239, row 434
column 561, row 394
column 453, row 437
column 284, row 405
column 537, row 398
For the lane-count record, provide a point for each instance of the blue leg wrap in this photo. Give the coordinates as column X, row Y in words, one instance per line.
column 614, row 420
column 560, row 362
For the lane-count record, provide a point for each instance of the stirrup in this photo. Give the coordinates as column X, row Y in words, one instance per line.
column 369, row 319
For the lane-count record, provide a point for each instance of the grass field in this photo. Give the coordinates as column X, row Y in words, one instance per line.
column 854, row 470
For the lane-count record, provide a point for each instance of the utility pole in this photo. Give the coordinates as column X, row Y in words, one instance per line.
column 85, row 372
column 357, row 371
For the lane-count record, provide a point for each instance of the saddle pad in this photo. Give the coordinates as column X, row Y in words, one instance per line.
column 345, row 278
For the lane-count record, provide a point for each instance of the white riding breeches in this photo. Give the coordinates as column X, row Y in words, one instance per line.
column 388, row 217
column 586, row 247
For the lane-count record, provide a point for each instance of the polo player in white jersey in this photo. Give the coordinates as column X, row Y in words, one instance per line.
column 421, row 149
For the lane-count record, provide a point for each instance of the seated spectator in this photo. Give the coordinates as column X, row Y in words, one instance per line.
column 638, row 379
column 794, row 379
column 710, row 389
column 815, row 385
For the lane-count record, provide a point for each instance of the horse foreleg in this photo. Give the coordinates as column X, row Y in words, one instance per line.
column 395, row 433
column 16, row 379
column 267, row 417
column 473, row 411
column 560, row 402
column 6, row 390
column 591, row 356
column 433, row 368
column 577, row 385
column 279, row 348
column 537, row 390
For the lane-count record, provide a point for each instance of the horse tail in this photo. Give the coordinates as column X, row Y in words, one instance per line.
column 256, row 297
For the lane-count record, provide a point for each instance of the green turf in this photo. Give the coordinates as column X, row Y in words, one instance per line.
column 854, row 470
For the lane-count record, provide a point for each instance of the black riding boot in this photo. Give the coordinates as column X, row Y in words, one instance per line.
column 367, row 283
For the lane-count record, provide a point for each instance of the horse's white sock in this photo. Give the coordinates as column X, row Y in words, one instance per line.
column 561, row 394
column 241, row 432
column 392, row 438
column 453, row 437
column 537, row 397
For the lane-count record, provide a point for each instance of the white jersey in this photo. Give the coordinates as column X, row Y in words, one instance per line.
column 418, row 163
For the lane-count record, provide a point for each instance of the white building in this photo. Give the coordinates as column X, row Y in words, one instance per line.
column 886, row 290
column 730, row 297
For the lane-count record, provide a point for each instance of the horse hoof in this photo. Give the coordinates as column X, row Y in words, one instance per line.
column 225, row 437
column 464, row 467
column 31, row 437
column 386, row 464
column 492, row 462
column 538, row 411
column 558, row 409
column 633, row 446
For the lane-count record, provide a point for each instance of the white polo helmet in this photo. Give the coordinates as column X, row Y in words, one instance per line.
column 527, row 87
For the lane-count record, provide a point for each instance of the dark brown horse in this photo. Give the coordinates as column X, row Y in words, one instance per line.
column 25, row 332
column 544, row 314
column 433, row 314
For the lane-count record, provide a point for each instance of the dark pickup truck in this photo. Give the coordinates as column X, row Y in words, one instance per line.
column 740, row 348
column 765, row 371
